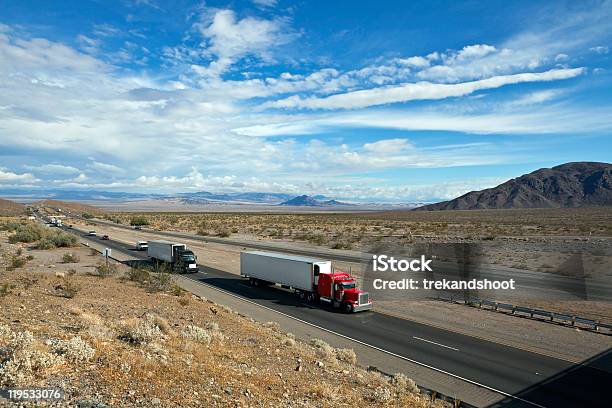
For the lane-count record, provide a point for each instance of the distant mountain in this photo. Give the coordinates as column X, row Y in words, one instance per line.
column 307, row 201
column 578, row 184
column 202, row 197
column 10, row 208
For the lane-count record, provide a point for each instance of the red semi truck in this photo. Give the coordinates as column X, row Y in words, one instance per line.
column 310, row 279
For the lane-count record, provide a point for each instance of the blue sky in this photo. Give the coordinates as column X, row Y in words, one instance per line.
column 389, row 101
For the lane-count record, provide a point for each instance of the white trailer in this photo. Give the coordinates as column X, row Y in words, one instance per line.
column 172, row 253
column 296, row 272
column 164, row 250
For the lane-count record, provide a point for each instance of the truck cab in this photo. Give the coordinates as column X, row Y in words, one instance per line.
column 188, row 259
column 340, row 289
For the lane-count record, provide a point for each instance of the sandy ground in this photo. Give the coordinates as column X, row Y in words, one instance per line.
column 562, row 342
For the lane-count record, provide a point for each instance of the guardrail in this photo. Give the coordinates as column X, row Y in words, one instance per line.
column 565, row 319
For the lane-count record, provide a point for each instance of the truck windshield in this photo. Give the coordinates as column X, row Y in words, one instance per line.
column 188, row 258
column 348, row 285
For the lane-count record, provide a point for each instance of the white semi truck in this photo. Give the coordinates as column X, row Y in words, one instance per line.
column 173, row 254
column 311, row 279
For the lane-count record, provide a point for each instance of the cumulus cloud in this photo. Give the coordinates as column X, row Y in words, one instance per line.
column 8, row 177
column 230, row 39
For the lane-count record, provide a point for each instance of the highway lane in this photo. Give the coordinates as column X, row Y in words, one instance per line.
column 541, row 285
column 497, row 366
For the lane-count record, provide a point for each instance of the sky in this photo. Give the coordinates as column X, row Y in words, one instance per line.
column 358, row 100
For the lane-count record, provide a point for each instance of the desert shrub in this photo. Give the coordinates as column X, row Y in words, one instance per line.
column 71, row 272
column 5, row 289
column 23, row 360
column 224, row 233
column 272, row 325
column 197, row 334
column 138, row 275
column 139, row 220
column 142, row 331
column 69, row 257
column 402, row 382
column 323, row 349
column 27, row 233
column 201, row 335
column 183, row 301
column 161, row 282
column 346, row 355
column 76, row 349
column 288, row 340
column 16, row 262
column 87, row 216
column 176, row 290
column 66, row 289
column 103, row 269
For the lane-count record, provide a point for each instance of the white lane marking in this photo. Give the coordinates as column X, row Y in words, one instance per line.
column 369, row 345
column 433, row 342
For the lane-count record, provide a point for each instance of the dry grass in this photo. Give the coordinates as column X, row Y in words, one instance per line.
column 117, row 343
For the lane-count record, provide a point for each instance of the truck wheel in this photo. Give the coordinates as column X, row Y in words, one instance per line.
column 348, row 308
column 310, row 297
column 301, row 295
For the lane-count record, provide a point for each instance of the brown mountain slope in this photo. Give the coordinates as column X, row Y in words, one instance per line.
column 10, row 208
column 578, row 184
column 70, row 206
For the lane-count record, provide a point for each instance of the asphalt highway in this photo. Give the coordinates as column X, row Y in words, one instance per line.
column 529, row 284
column 529, row 379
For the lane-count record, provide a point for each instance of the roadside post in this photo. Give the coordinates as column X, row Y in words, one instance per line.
column 107, row 252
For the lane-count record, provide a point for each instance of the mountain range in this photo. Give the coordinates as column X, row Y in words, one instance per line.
column 577, row 184
column 307, row 201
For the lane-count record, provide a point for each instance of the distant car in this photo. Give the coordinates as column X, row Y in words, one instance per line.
column 137, row 227
column 105, row 238
column 69, row 225
column 142, row 245
column 92, row 233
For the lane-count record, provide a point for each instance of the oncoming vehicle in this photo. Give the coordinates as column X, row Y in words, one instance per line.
column 142, row 245
column 105, row 238
column 173, row 254
column 92, row 233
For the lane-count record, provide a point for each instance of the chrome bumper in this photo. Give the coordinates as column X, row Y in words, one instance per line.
column 361, row 308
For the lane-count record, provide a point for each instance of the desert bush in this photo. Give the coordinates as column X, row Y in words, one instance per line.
column 87, row 216
column 197, row 334
column 403, row 383
column 5, row 289
column 161, row 282
column 141, row 331
column 66, row 289
column 139, row 220
column 69, row 257
column 183, row 301
column 103, row 269
column 176, row 290
column 16, row 262
column 23, row 360
column 323, row 349
column 76, row 349
column 138, row 275
column 346, row 355
column 272, row 325
column 224, row 233
column 27, row 233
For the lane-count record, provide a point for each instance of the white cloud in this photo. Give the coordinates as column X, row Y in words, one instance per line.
column 265, row 3
column 7, row 176
column 417, row 91
column 105, row 167
column 230, row 39
column 600, row 49
column 475, row 51
column 53, row 169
